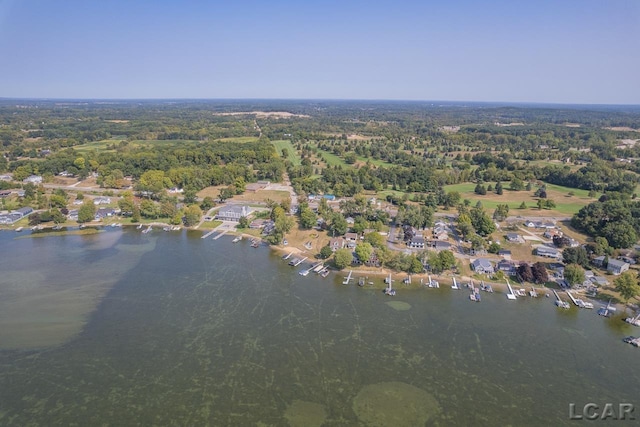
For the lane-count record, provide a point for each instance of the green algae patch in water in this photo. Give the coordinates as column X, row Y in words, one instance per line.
column 399, row 305
column 305, row 414
column 394, row 404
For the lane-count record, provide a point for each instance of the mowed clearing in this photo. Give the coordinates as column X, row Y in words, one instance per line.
column 565, row 203
column 293, row 155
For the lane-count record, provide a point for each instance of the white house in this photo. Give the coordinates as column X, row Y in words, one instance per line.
column 233, row 212
column 34, row 179
column 617, row 267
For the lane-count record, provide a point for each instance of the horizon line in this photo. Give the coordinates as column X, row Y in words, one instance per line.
column 322, row 99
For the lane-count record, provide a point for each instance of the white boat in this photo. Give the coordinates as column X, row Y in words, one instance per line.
column 237, row 239
column 19, row 229
column 559, row 302
column 521, row 292
column 139, row 227
column 304, row 272
column 635, row 321
column 146, row 230
column 533, row 293
column 433, row 283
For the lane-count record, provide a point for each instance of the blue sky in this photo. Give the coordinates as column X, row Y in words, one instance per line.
column 561, row 51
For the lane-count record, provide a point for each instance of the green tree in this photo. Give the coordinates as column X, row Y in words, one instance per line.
column 192, row 215
column 374, row 239
column 135, row 216
column 415, row 265
column 326, row 252
column 576, row 255
column 501, row 212
column 574, row 274
column 57, row 216
column 243, row 222
column 153, row 181
column 364, row 251
column 523, row 205
column 516, row 184
column 499, row 189
column 620, row 234
column 627, row 285
column 87, row 212
column 342, row 258
column 226, row 193
column 447, row 259
column 338, row 225
column 57, row 201
column 308, row 218
column 149, row 209
column 207, row 203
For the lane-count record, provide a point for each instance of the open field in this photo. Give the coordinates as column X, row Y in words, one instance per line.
column 239, row 139
column 96, row 145
column 294, row 156
column 209, row 225
column 565, row 204
column 331, row 159
column 260, row 196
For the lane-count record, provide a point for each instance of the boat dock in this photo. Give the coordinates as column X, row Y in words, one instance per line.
column 204, row 236
column 220, row 235
column 433, row 283
column 455, row 285
column 297, row 261
column 316, row 268
column 287, row 256
column 559, row 302
column 389, row 289
column 348, row 278
column 635, row 321
column 510, row 295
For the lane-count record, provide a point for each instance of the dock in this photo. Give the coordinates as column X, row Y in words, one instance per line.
column 510, row 295
column 316, row 268
column 578, row 302
column 298, row 261
column 559, row 302
column 204, row 236
column 287, row 256
column 389, row 290
column 348, row 278
column 220, row 235
column 433, row 283
column 455, row 285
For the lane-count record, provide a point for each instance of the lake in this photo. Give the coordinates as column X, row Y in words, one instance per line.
column 124, row 328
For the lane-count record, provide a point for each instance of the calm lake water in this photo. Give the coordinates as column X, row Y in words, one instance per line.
column 123, row 328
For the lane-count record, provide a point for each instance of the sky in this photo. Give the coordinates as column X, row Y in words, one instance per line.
column 558, row 51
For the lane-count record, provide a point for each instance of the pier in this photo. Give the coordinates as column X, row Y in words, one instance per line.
column 287, row 256
column 348, row 278
column 559, row 302
column 297, row 262
column 510, row 294
column 220, row 235
column 204, row 236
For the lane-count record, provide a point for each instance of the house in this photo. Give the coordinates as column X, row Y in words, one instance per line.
column 416, row 242
column 506, row 266
column 373, row 260
column 73, row 215
column 410, row 232
column 551, row 233
column 176, row 190
column 548, row 252
column 350, row 220
column 514, row 238
column 5, row 178
column 269, row 226
column 598, row 261
column 532, row 224
column 351, row 239
column 256, row 186
column 439, row 246
column 233, row 212
column 336, row 243
column 505, row 253
column 599, row 281
column 65, row 174
column 24, row 211
column 5, row 193
column 104, row 213
column 482, row 266
column 617, row 267
column 100, row 200
column 34, row 179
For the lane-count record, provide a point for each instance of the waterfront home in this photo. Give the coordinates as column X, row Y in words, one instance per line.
column 351, row 240
column 336, row 243
column 24, row 211
column 416, row 242
column 514, row 238
column 258, row 223
column 548, row 252
column 73, row 215
column 598, row 261
column 233, row 212
column 34, row 179
column 506, row 266
column 104, row 213
column 504, row 253
column 482, row 266
column 617, row 267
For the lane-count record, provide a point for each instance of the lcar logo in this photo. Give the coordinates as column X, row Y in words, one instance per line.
column 609, row 411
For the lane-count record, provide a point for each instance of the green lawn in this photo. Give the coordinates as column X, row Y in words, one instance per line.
column 331, row 159
column 294, row 156
column 96, row 145
column 239, row 139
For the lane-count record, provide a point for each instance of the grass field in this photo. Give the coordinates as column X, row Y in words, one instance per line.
column 239, row 139
column 294, row 156
column 332, row 160
column 565, row 204
column 96, row 145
